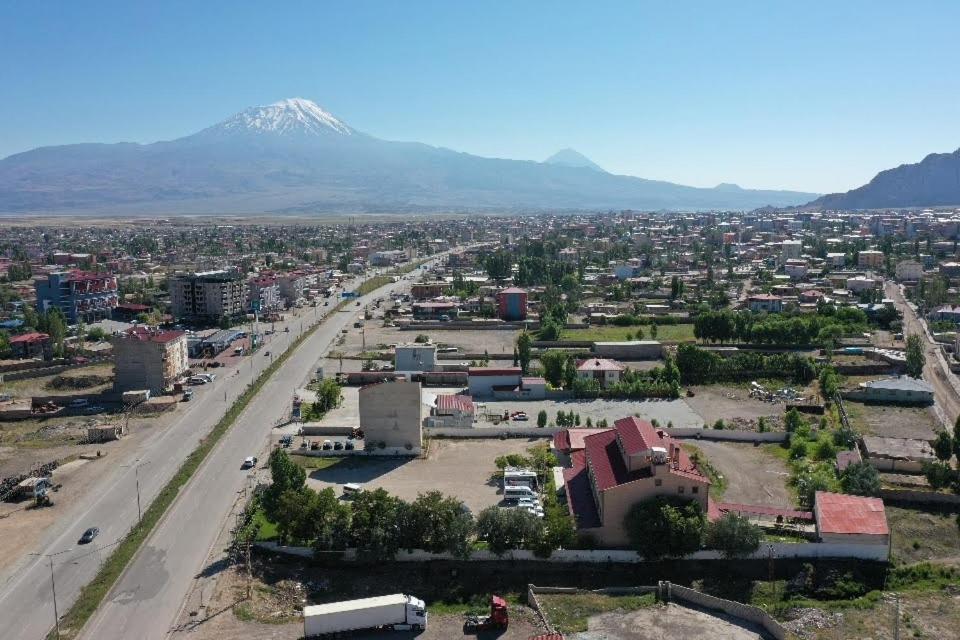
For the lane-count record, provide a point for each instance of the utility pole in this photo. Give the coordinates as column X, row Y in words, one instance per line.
column 896, row 618
column 53, row 587
column 136, row 472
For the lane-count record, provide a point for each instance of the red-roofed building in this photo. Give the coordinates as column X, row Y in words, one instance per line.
column 149, row 359
column 604, row 371
column 620, row 467
column 452, row 410
column 850, row 519
column 32, row 345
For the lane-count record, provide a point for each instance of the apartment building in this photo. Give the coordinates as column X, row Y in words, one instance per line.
column 81, row 296
column 207, row 295
column 391, row 417
column 149, row 359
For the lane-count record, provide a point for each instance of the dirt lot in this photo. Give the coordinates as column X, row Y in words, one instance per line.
column 753, row 475
column 664, row 411
column 43, row 385
column 895, row 422
column 271, row 614
column 460, row 468
column 670, row 622
column 728, row 402
column 493, row 342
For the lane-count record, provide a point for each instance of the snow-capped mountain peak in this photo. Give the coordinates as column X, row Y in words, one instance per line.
column 290, row 116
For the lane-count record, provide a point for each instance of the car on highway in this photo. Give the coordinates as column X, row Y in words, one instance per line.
column 88, row 535
column 249, row 462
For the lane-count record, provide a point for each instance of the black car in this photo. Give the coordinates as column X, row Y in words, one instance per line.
column 88, row 535
column 348, row 446
column 338, row 445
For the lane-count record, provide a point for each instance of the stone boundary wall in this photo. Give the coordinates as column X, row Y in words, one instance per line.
column 911, row 496
column 736, row 609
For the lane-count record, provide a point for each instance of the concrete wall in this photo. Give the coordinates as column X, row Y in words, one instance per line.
column 392, row 413
column 491, row 432
column 726, row 435
column 40, row 372
column 736, row 609
column 778, row 551
column 910, row 496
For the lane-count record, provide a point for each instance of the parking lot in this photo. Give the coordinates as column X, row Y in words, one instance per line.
column 460, row 468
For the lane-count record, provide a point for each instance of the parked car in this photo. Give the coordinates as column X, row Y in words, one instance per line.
column 286, row 440
column 197, row 380
column 187, row 395
column 348, row 445
column 94, row 409
column 266, row 353
column 327, row 445
column 249, row 462
column 78, row 403
column 314, row 445
column 337, row 446
column 88, row 535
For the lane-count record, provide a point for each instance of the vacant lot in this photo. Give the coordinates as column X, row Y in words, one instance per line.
column 918, row 535
column 494, row 342
column 45, row 385
column 670, row 622
column 895, row 422
column 730, row 403
column 607, row 333
column 664, row 411
column 461, row 468
column 752, row 474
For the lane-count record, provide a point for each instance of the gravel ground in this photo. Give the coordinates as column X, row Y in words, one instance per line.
column 671, row 622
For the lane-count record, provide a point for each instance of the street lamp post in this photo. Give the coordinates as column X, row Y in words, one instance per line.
column 53, row 587
column 136, row 472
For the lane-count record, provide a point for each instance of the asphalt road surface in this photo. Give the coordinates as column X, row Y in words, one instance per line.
column 145, row 602
column 935, row 370
column 148, row 595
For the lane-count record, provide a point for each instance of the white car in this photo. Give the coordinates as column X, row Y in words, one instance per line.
column 249, row 462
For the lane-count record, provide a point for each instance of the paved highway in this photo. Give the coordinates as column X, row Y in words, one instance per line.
column 26, row 597
column 145, row 602
column 935, row 370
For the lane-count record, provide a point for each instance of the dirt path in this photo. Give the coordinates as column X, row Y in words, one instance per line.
column 671, row 622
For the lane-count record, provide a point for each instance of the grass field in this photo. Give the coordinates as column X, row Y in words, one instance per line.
column 569, row 612
column 920, row 535
column 606, row 333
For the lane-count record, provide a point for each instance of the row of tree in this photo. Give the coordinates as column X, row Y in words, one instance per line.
column 824, row 327
column 699, row 366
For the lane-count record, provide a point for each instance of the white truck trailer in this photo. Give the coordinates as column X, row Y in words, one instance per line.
column 398, row 611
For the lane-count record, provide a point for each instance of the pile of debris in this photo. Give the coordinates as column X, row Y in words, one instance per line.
column 785, row 394
column 61, row 383
column 804, row 621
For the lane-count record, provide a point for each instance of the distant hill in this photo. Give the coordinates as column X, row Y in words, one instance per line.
column 934, row 181
column 572, row 158
column 294, row 157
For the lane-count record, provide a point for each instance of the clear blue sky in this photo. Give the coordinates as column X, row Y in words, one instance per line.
column 801, row 95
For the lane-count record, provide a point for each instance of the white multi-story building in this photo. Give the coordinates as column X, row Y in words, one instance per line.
column 391, row 417
column 790, row 250
column 909, row 271
column 149, row 359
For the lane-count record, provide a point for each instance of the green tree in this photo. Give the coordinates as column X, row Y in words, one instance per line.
column 499, row 265
column 542, row 418
column 665, row 527
column 286, row 475
column 792, row 420
column 916, row 359
column 438, row 524
column 938, row 474
column 524, row 352
column 733, row 536
column 813, row 478
column 4, row 344
column 375, row 527
column 553, row 363
column 507, row 529
column 943, row 446
column 860, row 479
column 956, row 438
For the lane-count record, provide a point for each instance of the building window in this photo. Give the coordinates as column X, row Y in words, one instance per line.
column 680, row 490
column 695, row 490
column 658, row 482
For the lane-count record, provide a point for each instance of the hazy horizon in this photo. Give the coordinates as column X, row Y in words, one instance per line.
column 813, row 98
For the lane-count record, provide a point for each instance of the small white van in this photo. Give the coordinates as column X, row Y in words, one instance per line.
column 513, row 493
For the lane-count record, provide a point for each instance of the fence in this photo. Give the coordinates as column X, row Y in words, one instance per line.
column 736, row 609
column 534, row 602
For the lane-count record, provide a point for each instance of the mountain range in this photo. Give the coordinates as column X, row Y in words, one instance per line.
column 934, row 181
column 294, row 157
